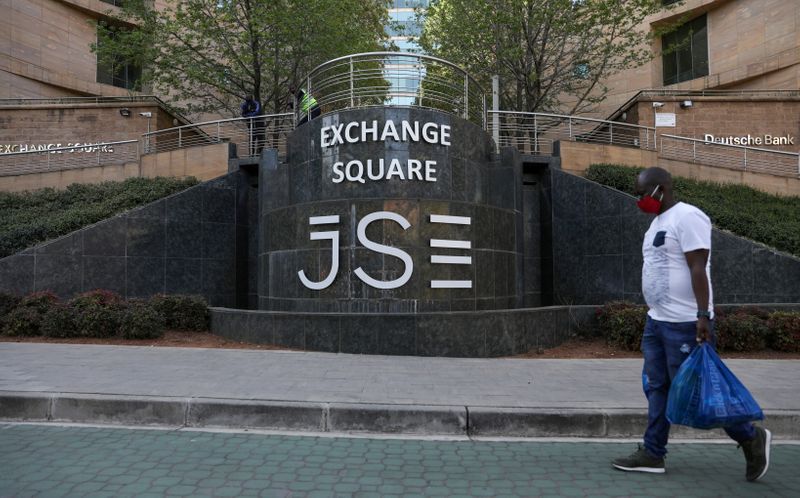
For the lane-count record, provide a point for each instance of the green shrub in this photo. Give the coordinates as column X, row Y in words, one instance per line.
column 97, row 297
column 97, row 313
column 182, row 312
column 7, row 303
column 621, row 178
column 622, row 324
column 59, row 321
column 784, row 331
column 769, row 219
column 21, row 322
column 40, row 301
column 28, row 218
column 744, row 329
column 141, row 321
column 26, row 318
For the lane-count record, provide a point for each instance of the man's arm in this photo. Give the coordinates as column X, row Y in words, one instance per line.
column 697, row 268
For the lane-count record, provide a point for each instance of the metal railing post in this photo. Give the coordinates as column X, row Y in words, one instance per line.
column 611, row 134
column 535, row 135
column 420, row 89
column 485, row 117
column 466, row 97
column 352, row 85
column 745, row 159
column 569, row 120
column 219, row 138
column 180, row 137
column 694, row 152
column 250, row 145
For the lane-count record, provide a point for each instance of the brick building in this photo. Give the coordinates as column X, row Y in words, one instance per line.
column 748, row 47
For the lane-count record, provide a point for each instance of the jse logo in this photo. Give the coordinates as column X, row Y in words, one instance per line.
column 333, row 236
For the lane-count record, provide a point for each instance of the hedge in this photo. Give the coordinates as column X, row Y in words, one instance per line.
column 100, row 313
column 770, row 219
column 28, row 218
column 748, row 328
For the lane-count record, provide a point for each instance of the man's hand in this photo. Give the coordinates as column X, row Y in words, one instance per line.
column 703, row 330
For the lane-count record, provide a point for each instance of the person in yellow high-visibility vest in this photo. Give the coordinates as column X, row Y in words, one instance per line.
column 309, row 109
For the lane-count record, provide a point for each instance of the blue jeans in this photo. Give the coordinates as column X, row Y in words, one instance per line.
column 665, row 345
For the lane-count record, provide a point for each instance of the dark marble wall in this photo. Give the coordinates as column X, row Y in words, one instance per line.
column 489, row 333
column 597, row 252
column 186, row 243
column 471, row 181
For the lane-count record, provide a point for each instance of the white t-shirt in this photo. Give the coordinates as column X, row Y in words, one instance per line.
column 666, row 279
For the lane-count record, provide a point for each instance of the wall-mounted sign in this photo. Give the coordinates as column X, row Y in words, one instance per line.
column 377, row 169
column 77, row 148
column 333, row 236
column 750, row 140
column 665, row 119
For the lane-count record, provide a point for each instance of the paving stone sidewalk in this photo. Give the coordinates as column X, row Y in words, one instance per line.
column 477, row 389
column 52, row 461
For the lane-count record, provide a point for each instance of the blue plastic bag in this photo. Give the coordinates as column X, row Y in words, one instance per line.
column 705, row 394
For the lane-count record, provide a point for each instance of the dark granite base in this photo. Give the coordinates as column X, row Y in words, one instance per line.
column 459, row 334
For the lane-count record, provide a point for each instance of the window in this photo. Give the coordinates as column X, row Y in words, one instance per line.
column 581, row 70
column 119, row 73
column 409, row 4
column 685, row 52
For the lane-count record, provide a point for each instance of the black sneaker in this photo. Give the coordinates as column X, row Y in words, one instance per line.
column 640, row 461
column 756, row 452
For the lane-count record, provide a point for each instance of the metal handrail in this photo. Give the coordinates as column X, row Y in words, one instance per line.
column 71, row 148
column 731, row 156
column 655, row 92
column 536, row 132
column 250, row 134
column 79, row 100
column 714, row 93
column 71, row 157
column 706, row 142
column 569, row 116
column 400, row 79
column 132, row 99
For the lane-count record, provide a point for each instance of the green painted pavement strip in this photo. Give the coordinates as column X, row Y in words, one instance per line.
column 50, row 461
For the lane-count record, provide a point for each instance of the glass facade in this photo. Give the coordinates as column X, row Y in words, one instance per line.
column 119, row 74
column 685, row 52
column 403, row 28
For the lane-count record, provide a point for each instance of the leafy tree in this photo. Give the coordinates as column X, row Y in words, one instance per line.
column 209, row 55
column 550, row 54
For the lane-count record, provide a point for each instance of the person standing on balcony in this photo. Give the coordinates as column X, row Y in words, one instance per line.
column 676, row 284
column 309, row 109
column 251, row 108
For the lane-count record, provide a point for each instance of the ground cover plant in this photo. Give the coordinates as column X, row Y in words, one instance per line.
column 28, row 218
column 770, row 219
column 742, row 329
column 100, row 314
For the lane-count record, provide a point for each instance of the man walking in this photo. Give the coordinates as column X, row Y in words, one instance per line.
column 676, row 284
